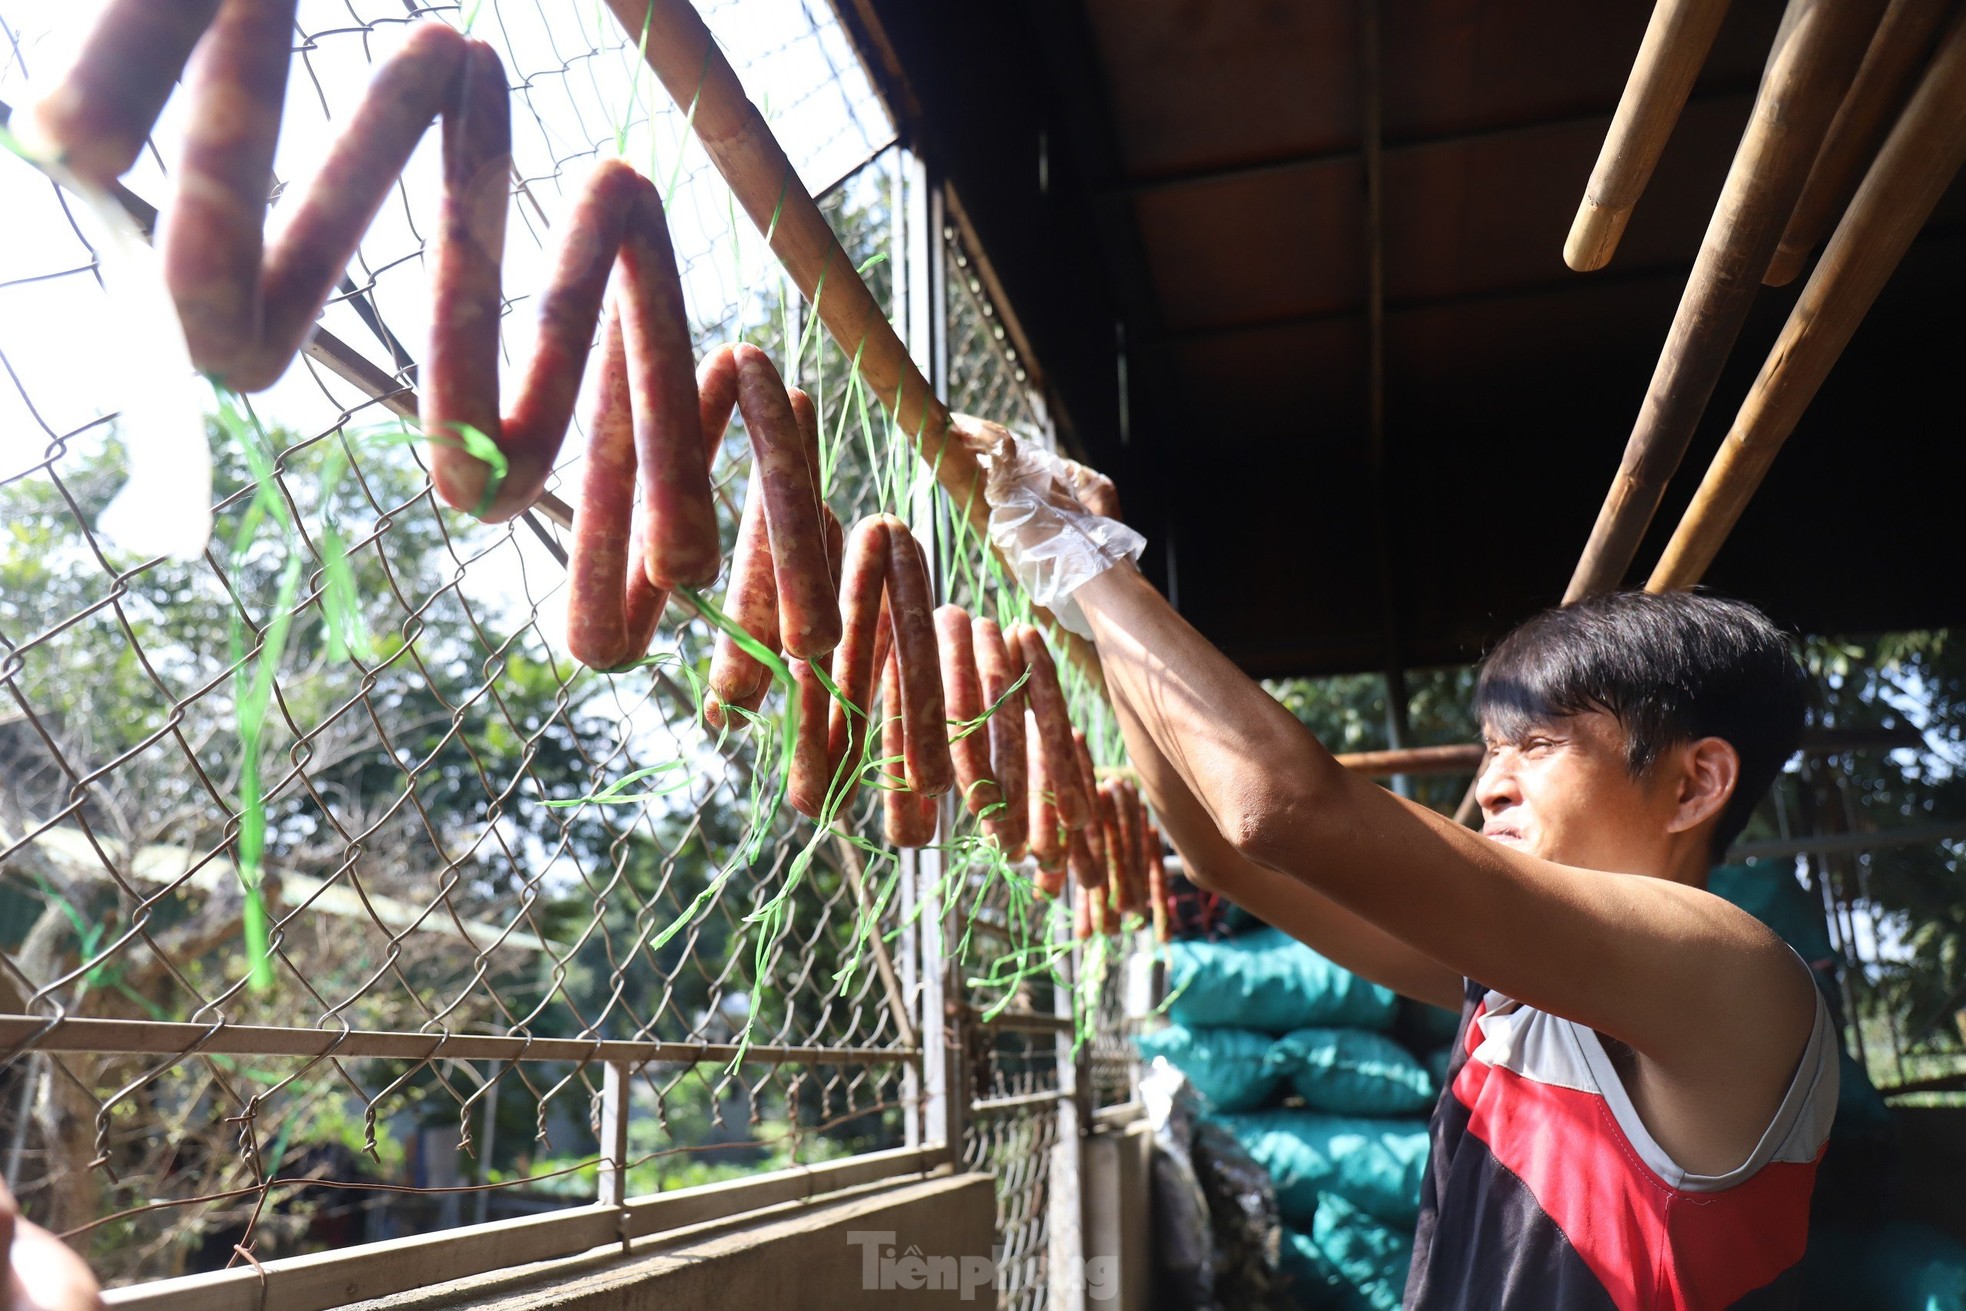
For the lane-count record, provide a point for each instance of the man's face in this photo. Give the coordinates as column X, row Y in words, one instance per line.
column 1561, row 791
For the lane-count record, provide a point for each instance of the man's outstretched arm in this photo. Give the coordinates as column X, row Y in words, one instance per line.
column 1640, row 959
column 1292, row 906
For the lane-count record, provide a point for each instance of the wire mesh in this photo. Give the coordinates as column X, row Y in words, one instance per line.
column 430, row 867
column 1012, row 1131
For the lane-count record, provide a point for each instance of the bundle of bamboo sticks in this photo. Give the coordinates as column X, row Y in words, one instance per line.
column 1860, row 121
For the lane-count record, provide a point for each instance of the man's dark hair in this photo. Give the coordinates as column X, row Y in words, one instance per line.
column 1670, row 667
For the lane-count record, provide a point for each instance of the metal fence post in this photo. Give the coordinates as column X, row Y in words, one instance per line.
column 615, row 1099
column 1066, row 1260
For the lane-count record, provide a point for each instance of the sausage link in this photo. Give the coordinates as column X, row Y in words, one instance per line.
column 924, row 717
column 808, row 619
column 1114, row 842
column 962, row 689
column 1088, row 871
column 1047, row 839
column 1157, row 883
column 736, row 677
column 1133, row 868
column 612, row 608
column 812, row 765
column 908, row 816
column 532, row 430
column 1010, row 824
column 99, row 112
column 212, row 234
column 460, row 376
column 310, row 249
column 683, row 550
column 1050, row 882
column 716, row 400
column 862, row 584
column 1054, row 724
column 716, row 395
column 1097, row 825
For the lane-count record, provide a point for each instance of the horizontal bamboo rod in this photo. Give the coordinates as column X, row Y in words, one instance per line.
column 1918, row 161
column 1897, row 55
column 1676, row 43
column 165, row 1038
column 1815, row 55
column 679, row 48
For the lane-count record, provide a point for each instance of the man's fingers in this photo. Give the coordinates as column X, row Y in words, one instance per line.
column 45, row 1274
column 981, row 437
column 1094, row 490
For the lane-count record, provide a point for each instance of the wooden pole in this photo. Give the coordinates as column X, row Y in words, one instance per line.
column 1676, row 43
column 1897, row 195
column 686, row 60
column 1815, row 55
column 1897, row 54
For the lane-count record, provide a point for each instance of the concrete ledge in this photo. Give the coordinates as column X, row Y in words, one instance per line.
column 850, row 1251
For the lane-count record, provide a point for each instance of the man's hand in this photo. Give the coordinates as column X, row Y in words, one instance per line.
column 1054, row 520
column 43, row 1273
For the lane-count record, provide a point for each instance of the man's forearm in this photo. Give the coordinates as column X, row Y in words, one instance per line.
column 1281, row 900
column 1241, row 755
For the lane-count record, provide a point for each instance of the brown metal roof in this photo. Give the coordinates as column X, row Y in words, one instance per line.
column 1207, row 205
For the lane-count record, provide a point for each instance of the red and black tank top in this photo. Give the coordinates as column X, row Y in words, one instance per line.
column 1545, row 1192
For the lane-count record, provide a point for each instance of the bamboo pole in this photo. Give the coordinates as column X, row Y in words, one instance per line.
column 1897, row 54
column 1814, row 58
column 686, row 60
column 1676, row 43
column 1897, row 195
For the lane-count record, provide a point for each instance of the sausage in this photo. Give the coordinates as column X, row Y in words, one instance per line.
column 862, row 586
column 320, row 229
column 1157, row 882
column 1049, row 882
column 211, row 236
column 1046, row 834
column 1047, row 701
column 456, row 391
column 1115, row 844
column 1085, row 850
column 1099, row 851
column 812, row 764
column 612, row 608
column 806, row 415
column 736, row 677
column 716, row 395
column 924, row 715
column 962, row 689
column 1011, row 824
column 908, row 816
column 99, row 112
column 1054, row 724
column 808, row 618
column 1088, row 871
column 1132, row 865
column 1088, row 781
column 682, row 550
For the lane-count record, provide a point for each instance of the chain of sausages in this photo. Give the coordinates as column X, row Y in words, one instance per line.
column 645, row 523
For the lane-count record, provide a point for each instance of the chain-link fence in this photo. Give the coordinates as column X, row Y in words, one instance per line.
column 336, row 901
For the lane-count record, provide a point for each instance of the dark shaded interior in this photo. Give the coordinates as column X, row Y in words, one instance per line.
column 1172, row 194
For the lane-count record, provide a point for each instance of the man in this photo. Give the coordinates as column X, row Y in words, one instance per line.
column 1645, row 1075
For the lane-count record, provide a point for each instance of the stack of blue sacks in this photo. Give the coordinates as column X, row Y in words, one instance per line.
column 1295, row 1057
